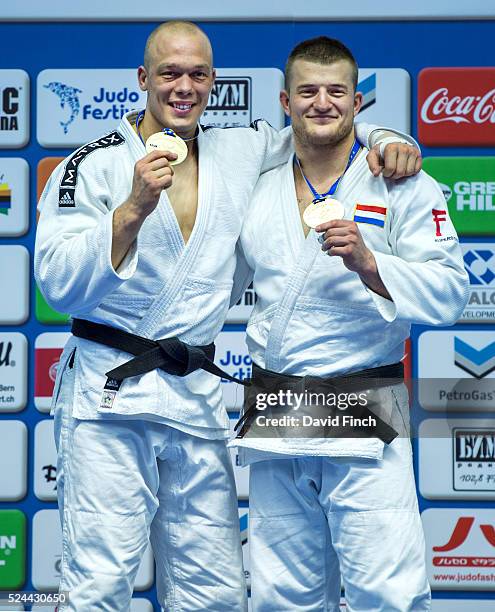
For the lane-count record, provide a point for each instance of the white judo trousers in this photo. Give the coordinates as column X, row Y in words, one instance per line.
column 313, row 520
column 122, row 483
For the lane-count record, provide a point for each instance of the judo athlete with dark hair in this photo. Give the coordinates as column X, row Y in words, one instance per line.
column 339, row 505
column 141, row 251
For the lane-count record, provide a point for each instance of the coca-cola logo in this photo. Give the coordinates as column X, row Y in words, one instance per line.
column 443, row 106
column 456, row 106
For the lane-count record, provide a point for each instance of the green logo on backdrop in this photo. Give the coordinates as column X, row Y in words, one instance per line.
column 468, row 184
column 46, row 314
column 12, row 549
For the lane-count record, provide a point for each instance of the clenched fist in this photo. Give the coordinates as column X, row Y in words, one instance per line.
column 152, row 174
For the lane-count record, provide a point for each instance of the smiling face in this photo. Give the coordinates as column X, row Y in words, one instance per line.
column 321, row 102
column 178, row 78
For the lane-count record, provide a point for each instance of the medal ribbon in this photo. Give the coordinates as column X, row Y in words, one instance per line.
column 321, row 196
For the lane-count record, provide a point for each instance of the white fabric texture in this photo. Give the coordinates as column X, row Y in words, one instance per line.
column 164, row 288
column 315, row 317
column 313, row 519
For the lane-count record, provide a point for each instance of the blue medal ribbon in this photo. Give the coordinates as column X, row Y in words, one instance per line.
column 321, row 196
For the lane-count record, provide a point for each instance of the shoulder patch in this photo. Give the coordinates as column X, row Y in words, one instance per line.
column 69, row 179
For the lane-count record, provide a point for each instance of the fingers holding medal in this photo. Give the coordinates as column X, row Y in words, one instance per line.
column 152, row 174
column 342, row 238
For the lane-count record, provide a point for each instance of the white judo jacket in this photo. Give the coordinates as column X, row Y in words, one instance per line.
column 314, row 316
column 164, row 287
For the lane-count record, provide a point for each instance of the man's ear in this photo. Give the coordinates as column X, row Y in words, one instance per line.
column 284, row 101
column 142, row 78
column 358, row 102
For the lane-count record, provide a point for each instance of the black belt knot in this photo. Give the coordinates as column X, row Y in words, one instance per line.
column 168, row 354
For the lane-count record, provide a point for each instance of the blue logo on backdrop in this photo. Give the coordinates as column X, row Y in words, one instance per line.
column 66, row 95
column 368, row 88
column 243, row 526
column 477, row 362
column 105, row 104
column 480, row 266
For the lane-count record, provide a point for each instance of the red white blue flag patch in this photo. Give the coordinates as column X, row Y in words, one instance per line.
column 368, row 213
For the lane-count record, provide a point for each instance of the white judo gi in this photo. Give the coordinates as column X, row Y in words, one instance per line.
column 316, row 504
column 153, row 458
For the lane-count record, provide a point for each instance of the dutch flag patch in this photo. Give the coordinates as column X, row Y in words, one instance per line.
column 368, row 213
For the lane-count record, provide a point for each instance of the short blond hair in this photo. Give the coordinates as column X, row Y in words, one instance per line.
column 174, row 27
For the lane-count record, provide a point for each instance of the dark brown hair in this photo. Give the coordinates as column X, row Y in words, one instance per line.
column 321, row 50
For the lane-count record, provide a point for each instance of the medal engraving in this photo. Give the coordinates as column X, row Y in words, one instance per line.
column 323, row 210
column 165, row 142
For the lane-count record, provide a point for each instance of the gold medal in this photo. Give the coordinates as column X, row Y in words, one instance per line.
column 166, row 142
column 323, row 210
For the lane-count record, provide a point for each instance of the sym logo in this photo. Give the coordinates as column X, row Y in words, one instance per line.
column 230, row 94
column 66, row 95
column 474, row 445
column 230, row 103
column 5, row 351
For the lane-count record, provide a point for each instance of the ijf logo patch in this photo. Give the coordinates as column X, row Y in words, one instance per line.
column 371, row 214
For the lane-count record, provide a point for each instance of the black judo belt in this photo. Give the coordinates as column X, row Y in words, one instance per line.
column 284, row 420
column 170, row 354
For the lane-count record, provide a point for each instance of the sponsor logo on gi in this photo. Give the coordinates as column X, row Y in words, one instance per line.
column 474, row 459
column 469, row 189
column 479, row 261
column 230, row 102
column 14, row 100
column 456, row 106
column 75, row 106
column 460, row 548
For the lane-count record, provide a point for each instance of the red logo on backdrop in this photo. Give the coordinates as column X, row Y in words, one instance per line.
column 456, row 106
column 46, row 363
column 457, row 538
